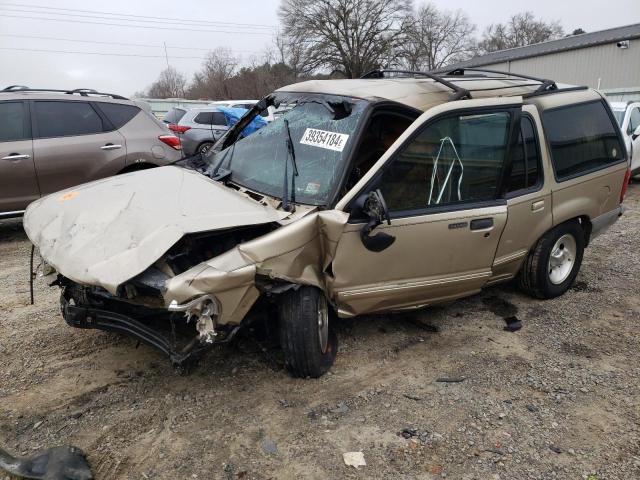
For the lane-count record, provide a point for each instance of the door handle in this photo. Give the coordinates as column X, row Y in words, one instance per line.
column 481, row 224
column 110, row 146
column 537, row 206
column 16, row 156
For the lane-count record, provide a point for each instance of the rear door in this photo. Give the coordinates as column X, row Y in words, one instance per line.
column 442, row 186
column 528, row 198
column 18, row 181
column 73, row 143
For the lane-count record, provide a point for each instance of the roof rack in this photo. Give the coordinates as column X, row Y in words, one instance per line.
column 545, row 85
column 84, row 92
column 460, row 93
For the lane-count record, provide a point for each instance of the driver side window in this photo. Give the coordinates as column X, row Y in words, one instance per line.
column 456, row 159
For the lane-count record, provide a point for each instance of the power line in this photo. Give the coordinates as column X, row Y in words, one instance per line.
column 121, row 44
column 134, row 26
column 138, row 16
column 167, row 22
column 42, row 50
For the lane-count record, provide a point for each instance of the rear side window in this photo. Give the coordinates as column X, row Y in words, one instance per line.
column 210, row 118
column 525, row 165
column 61, row 119
column 117, row 113
column 582, row 139
column 13, row 122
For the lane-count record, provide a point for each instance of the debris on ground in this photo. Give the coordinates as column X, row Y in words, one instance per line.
column 58, row 463
column 450, row 379
column 513, row 324
column 269, row 446
column 354, row 459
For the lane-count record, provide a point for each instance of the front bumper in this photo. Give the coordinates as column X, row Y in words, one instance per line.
column 79, row 316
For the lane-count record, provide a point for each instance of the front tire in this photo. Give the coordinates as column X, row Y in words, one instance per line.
column 306, row 332
column 552, row 266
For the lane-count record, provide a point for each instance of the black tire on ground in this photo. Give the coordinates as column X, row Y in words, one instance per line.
column 300, row 338
column 535, row 275
column 204, row 147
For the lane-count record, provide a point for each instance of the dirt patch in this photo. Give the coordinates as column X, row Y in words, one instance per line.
column 567, row 382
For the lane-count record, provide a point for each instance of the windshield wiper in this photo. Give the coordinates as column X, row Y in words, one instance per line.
column 290, row 153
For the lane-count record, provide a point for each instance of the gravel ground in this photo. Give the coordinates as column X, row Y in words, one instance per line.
column 559, row 399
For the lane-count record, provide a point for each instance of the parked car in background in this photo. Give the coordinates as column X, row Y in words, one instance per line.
column 380, row 194
column 199, row 128
column 628, row 117
column 54, row 139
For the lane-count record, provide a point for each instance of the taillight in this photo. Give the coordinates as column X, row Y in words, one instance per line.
column 625, row 184
column 171, row 140
column 178, row 128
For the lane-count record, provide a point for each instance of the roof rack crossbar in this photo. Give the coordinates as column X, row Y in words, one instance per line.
column 459, row 92
column 85, row 92
column 545, row 84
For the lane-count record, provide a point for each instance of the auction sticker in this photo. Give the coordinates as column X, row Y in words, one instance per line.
column 324, row 139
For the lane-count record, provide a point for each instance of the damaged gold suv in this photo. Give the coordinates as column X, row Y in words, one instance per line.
column 390, row 192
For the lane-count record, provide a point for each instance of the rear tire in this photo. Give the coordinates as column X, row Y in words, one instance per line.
column 552, row 266
column 306, row 332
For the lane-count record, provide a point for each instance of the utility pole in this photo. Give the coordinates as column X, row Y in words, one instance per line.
column 166, row 55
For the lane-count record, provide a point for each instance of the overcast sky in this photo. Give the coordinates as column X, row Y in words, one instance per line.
column 133, row 63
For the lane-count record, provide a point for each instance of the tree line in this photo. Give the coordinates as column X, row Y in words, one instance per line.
column 347, row 38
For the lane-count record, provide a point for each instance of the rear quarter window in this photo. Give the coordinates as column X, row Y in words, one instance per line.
column 118, row 114
column 582, row 138
column 174, row 115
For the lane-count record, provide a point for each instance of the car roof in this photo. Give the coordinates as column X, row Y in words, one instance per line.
column 419, row 93
column 39, row 95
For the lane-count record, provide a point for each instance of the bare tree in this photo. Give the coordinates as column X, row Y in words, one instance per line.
column 349, row 36
column 522, row 29
column 436, row 38
column 213, row 80
column 170, row 84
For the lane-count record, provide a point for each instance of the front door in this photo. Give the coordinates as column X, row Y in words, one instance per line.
column 18, row 181
column 442, row 187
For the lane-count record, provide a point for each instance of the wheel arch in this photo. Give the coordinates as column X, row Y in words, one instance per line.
column 136, row 167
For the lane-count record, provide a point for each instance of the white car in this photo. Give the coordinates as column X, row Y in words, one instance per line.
column 268, row 115
column 628, row 117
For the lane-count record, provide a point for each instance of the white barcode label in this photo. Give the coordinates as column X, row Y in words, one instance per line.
column 324, row 139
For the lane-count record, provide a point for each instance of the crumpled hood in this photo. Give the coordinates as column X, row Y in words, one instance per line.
column 106, row 232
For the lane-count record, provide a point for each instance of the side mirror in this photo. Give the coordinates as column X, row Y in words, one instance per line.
column 373, row 205
column 636, row 133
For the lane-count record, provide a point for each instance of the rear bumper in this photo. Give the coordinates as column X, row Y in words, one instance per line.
column 601, row 223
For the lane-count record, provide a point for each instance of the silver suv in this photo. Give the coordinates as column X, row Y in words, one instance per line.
column 199, row 128
column 55, row 139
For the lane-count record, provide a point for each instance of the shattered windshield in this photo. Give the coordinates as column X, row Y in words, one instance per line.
column 321, row 129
